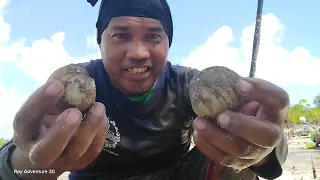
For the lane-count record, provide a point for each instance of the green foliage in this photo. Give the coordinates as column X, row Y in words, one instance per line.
column 303, row 109
column 3, row 141
column 316, row 100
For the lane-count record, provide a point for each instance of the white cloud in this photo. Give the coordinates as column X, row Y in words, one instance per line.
column 11, row 102
column 275, row 63
column 5, row 29
column 38, row 61
column 44, row 56
column 49, row 55
column 3, row 4
column 8, row 52
column 92, row 42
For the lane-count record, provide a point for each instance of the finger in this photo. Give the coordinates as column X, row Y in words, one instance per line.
column 51, row 116
column 27, row 120
column 237, row 163
column 49, row 147
column 95, row 148
column 250, row 109
column 260, row 132
column 219, row 138
column 85, row 134
column 212, row 152
column 219, row 156
column 215, row 154
column 270, row 96
column 49, row 120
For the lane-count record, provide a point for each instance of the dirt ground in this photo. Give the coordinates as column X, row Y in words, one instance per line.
column 301, row 164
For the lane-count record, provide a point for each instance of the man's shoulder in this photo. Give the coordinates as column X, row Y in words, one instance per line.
column 94, row 67
column 179, row 68
column 89, row 64
column 179, row 71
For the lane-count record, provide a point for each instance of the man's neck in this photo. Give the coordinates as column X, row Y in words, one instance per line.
column 143, row 98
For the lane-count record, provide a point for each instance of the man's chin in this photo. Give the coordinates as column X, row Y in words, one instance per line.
column 137, row 91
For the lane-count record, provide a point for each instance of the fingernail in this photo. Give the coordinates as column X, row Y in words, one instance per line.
column 200, row 124
column 99, row 109
column 74, row 117
column 54, row 89
column 223, row 120
column 244, row 87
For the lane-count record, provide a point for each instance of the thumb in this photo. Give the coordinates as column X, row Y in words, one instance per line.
column 28, row 119
column 250, row 109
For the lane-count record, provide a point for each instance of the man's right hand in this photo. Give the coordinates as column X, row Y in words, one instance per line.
column 52, row 139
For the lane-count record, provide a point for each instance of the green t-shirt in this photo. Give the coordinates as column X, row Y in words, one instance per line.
column 143, row 98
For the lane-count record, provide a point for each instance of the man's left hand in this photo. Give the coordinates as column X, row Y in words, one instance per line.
column 245, row 138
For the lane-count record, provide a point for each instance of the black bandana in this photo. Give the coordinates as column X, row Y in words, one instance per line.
column 155, row 9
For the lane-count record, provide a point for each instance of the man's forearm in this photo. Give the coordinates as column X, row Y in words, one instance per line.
column 15, row 165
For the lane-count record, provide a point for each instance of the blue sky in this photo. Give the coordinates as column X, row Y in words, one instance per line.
column 286, row 26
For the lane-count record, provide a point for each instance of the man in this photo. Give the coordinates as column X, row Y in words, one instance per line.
column 303, row 120
column 146, row 134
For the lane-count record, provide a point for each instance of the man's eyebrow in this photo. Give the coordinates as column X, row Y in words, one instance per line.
column 120, row 28
column 155, row 29
column 126, row 28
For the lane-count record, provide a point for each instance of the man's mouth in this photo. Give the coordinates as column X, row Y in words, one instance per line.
column 138, row 70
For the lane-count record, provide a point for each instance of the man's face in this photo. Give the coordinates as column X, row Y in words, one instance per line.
column 134, row 52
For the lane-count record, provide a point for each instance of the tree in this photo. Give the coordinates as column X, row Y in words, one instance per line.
column 296, row 111
column 256, row 39
column 303, row 108
column 316, row 100
column 3, row 141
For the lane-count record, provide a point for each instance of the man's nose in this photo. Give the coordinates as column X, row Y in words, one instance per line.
column 138, row 51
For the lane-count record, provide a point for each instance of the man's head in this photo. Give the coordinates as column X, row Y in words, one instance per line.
column 134, row 38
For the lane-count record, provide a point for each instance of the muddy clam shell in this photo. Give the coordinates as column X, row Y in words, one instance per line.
column 212, row 91
column 80, row 89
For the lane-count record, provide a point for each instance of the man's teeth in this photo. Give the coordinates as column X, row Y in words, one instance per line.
column 137, row 70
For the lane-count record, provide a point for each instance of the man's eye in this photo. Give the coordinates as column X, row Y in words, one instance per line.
column 154, row 36
column 121, row 36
